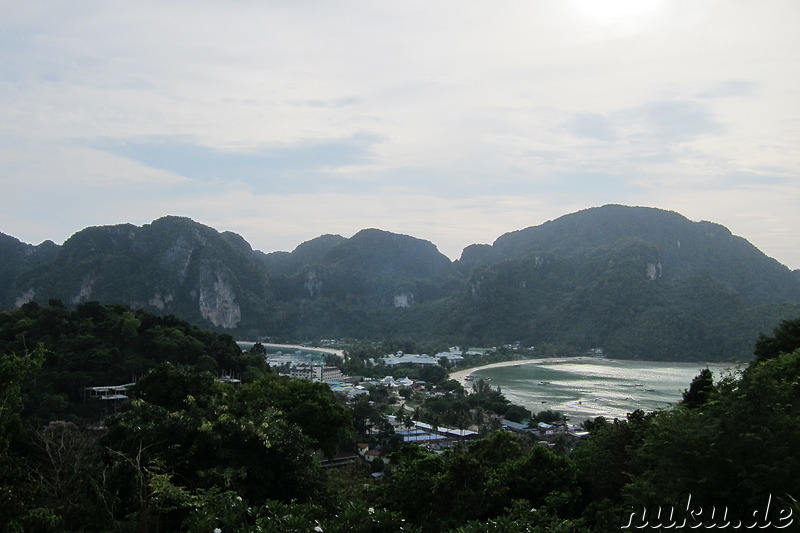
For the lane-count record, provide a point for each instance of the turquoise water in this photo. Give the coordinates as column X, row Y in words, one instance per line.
column 587, row 389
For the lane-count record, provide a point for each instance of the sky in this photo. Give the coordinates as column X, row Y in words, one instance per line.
column 451, row 121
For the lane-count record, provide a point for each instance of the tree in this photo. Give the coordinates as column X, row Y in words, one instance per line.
column 169, row 387
column 517, row 413
column 433, row 374
column 785, row 339
column 700, row 389
column 67, row 469
column 308, row 405
column 258, row 349
column 440, row 492
column 733, row 451
column 215, row 436
column 548, row 416
column 15, row 489
column 607, row 462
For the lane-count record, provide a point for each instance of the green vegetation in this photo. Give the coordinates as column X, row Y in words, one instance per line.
column 192, row 452
column 98, row 345
column 444, row 492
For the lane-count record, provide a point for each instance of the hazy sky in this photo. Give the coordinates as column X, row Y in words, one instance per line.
column 452, row 121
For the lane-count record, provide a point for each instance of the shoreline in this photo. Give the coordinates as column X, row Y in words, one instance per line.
column 333, row 351
column 461, row 375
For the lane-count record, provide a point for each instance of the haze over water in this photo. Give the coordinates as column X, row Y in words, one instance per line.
column 588, row 389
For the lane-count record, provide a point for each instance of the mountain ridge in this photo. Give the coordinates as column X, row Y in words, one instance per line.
column 636, row 281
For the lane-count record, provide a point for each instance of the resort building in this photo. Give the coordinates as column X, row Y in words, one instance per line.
column 321, row 373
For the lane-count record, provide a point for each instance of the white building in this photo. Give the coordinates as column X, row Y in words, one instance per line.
column 400, row 358
column 321, row 373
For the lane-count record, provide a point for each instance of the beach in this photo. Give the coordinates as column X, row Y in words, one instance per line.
column 461, row 375
column 587, row 387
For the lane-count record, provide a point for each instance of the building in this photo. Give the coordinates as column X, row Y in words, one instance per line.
column 109, row 392
column 321, row 373
column 400, row 358
column 435, row 437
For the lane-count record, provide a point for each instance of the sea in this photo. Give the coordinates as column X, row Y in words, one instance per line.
column 278, row 354
column 601, row 387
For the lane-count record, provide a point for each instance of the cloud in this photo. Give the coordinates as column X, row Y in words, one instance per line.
column 593, row 126
column 730, row 89
column 278, row 169
column 444, row 118
column 666, row 122
column 51, row 167
column 750, row 180
column 675, row 121
column 336, row 102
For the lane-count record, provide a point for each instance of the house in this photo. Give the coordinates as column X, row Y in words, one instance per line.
column 343, row 458
column 371, row 455
column 388, row 381
column 453, row 355
column 545, row 428
column 514, row 426
column 409, row 358
column 405, row 382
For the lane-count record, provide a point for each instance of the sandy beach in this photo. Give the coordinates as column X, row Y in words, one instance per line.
column 461, row 375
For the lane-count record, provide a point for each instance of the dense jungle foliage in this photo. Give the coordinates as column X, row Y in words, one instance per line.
column 195, row 453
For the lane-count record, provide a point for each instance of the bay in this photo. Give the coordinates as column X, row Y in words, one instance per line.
column 586, row 389
column 295, row 354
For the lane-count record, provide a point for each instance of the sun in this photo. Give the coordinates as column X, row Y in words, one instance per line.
column 626, row 13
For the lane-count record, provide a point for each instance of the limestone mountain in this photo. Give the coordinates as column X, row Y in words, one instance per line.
column 374, row 284
column 681, row 248
column 173, row 265
column 308, row 253
column 379, row 268
column 18, row 258
column 636, row 282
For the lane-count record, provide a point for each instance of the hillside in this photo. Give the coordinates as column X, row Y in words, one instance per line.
column 173, row 265
column 636, row 282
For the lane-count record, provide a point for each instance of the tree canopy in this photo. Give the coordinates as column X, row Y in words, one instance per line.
column 192, row 452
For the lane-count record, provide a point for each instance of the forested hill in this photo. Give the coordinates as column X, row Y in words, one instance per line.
column 636, row 282
column 680, row 248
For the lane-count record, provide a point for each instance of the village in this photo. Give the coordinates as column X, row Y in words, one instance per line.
column 399, row 407
column 435, row 415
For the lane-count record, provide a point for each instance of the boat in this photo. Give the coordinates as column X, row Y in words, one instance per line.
column 544, row 383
